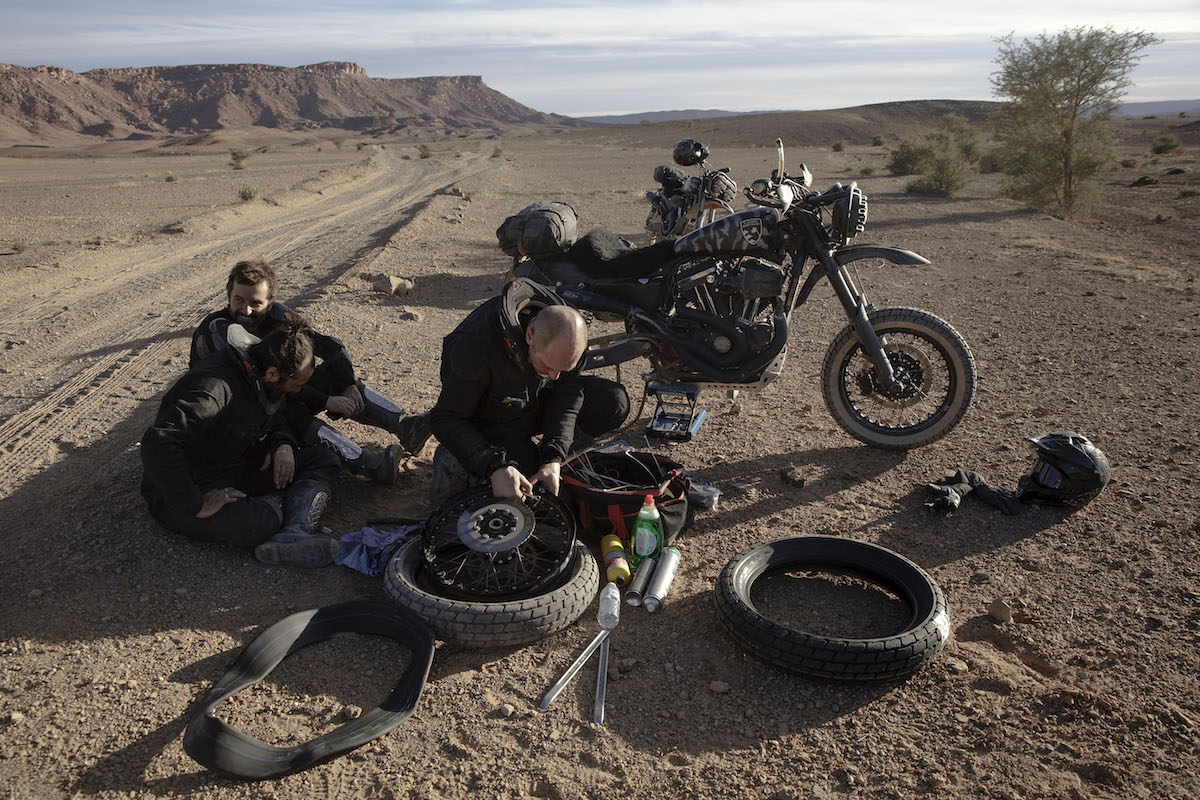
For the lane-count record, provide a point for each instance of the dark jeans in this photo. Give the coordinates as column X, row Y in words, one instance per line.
column 605, row 407
column 253, row 519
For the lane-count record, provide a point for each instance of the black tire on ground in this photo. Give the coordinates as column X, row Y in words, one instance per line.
column 497, row 624
column 887, row 658
column 926, row 349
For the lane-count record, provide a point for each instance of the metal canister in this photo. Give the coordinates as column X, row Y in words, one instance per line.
column 615, row 566
column 656, row 592
column 641, row 579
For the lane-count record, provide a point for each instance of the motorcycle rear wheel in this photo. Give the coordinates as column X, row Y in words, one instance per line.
column 930, row 359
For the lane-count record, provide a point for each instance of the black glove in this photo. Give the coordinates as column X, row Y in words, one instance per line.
column 950, row 490
column 1006, row 501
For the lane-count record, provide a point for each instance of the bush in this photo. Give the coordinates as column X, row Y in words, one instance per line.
column 989, row 162
column 1165, row 143
column 868, row 171
column 878, row 141
column 1129, row 163
column 170, row 179
column 360, row 145
column 497, row 152
column 838, row 147
column 237, row 158
column 909, row 158
column 247, row 193
column 424, row 152
column 338, row 143
column 946, row 173
column 1188, row 193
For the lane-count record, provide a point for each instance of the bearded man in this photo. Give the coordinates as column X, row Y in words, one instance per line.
column 219, row 462
column 333, row 387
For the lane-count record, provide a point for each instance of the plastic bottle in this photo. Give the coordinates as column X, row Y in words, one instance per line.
column 647, row 538
column 615, row 565
column 609, row 612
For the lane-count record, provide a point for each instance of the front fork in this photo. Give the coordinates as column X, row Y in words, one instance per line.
column 856, row 305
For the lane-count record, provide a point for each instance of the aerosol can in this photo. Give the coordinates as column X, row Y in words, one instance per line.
column 615, row 565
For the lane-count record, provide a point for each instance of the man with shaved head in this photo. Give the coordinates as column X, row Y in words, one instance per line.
column 513, row 403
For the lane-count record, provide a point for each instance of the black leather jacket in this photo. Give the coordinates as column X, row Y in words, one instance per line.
column 489, row 385
column 213, row 418
column 331, row 354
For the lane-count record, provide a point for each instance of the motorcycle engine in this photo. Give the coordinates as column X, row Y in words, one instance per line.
column 753, row 278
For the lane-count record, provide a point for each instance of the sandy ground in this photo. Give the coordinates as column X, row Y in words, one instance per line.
column 113, row 628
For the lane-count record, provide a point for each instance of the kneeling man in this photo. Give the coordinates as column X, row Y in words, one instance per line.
column 511, row 373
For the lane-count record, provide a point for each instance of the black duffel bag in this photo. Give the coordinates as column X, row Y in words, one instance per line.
column 539, row 231
column 607, row 489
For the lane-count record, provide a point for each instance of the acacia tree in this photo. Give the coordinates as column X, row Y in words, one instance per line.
column 1053, row 136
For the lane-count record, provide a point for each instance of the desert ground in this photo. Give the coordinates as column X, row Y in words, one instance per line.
column 113, row 628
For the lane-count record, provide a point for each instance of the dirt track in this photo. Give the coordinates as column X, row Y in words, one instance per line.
column 113, row 627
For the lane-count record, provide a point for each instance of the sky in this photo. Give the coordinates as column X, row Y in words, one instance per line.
column 596, row 57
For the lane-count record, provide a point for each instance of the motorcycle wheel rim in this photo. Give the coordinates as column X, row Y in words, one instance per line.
column 929, row 384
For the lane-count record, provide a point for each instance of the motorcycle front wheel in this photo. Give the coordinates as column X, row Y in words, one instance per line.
column 930, row 360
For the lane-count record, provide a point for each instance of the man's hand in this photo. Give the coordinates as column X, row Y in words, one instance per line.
column 352, row 394
column 339, row 406
column 216, row 499
column 509, row 482
column 284, row 459
column 549, row 476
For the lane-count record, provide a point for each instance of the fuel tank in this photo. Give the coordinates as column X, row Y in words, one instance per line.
column 754, row 231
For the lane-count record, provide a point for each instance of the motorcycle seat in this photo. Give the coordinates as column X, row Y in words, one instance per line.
column 601, row 254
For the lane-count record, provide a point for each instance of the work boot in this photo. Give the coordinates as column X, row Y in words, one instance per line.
column 381, row 466
column 295, row 544
column 413, row 430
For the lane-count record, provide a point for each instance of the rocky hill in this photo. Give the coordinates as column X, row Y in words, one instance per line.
column 41, row 103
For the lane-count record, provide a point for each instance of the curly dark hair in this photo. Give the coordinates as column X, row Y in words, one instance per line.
column 287, row 347
column 251, row 273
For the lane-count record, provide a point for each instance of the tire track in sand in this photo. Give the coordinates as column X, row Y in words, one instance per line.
column 89, row 381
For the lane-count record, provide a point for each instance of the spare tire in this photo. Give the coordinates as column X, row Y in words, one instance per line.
column 493, row 624
column 887, row 658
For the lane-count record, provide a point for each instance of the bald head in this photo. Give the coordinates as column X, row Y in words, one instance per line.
column 556, row 337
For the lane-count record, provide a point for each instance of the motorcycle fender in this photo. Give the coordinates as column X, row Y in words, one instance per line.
column 896, row 255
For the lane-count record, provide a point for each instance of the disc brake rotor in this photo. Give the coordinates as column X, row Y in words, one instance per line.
column 477, row 546
column 911, row 369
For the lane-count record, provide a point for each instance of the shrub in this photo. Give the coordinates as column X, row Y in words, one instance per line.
column 247, row 193
column 1129, row 163
column 424, row 152
column 1188, row 193
column 838, row 147
column 878, row 141
column 338, row 143
column 989, row 162
column 497, row 152
column 170, row 179
column 868, row 171
column 360, row 145
column 909, row 158
column 946, row 173
column 237, row 158
column 1165, row 144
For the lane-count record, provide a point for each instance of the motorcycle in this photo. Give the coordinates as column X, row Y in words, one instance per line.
column 710, row 309
column 683, row 203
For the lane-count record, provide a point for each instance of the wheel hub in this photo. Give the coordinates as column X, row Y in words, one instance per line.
column 909, row 372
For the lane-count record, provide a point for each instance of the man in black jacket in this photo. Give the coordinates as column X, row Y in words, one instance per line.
column 219, row 462
column 510, row 373
column 333, row 387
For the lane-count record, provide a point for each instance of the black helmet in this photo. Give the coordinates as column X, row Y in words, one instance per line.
column 689, row 152
column 1069, row 470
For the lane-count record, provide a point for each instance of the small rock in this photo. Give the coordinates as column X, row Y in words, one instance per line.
column 16, row 718
column 627, row 664
column 351, row 712
column 1145, row 180
column 34, row 594
column 1156, row 621
column 181, row 591
column 735, row 408
column 507, row 710
column 719, row 687
column 980, row 577
column 791, row 476
column 392, row 284
column 956, row 665
column 614, row 672
column 664, row 713
column 1000, row 611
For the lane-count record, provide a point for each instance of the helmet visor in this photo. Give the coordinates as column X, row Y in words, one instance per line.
column 1048, row 475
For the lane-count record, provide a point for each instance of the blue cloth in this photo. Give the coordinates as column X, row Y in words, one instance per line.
column 368, row 550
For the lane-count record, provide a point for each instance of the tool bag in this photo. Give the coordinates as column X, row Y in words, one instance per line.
column 607, row 489
column 538, row 231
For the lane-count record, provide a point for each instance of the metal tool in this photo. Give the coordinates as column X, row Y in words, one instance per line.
column 601, row 685
column 572, row 670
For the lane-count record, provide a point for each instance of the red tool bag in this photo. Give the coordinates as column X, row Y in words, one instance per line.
column 607, row 489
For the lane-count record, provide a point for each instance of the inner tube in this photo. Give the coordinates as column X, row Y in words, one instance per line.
column 219, row 747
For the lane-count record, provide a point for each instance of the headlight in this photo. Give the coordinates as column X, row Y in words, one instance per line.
column 850, row 213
